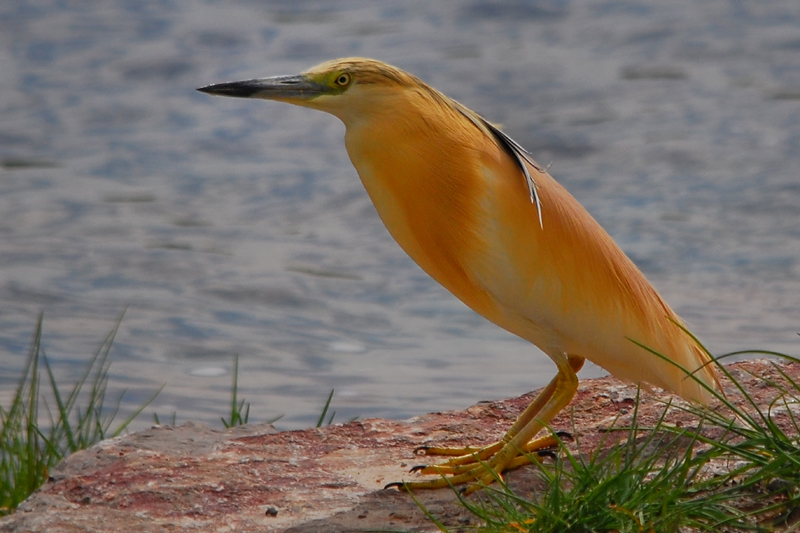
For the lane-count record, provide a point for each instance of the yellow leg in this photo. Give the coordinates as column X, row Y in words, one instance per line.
column 464, row 463
column 482, row 465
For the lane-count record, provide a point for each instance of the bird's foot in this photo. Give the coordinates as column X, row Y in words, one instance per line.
column 478, row 467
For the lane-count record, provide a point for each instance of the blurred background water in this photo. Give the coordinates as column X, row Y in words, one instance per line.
column 227, row 226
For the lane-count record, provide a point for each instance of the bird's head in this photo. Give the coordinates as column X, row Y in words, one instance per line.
column 347, row 88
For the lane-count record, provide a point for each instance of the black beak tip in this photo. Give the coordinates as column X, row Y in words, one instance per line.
column 226, row 89
column 238, row 89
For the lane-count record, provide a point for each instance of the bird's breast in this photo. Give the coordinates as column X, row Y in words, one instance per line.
column 431, row 198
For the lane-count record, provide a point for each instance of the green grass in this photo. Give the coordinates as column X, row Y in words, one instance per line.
column 239, row 413
column 737, row 470
column 649, row 483
column 37, row 434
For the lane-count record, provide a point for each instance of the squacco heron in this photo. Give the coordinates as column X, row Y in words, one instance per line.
column 479, row 215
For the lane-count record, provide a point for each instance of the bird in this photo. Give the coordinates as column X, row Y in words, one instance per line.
column 476, row 212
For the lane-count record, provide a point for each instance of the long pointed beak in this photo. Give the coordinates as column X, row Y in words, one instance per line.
column 297, row 87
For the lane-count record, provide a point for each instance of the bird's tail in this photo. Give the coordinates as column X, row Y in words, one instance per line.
column 689, row 370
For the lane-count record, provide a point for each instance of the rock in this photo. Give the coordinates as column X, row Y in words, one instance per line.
column 253, row 478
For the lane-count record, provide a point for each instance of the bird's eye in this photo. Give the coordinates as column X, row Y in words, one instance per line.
column 343, row 79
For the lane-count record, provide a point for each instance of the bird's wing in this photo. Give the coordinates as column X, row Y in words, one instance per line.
column 513, row 148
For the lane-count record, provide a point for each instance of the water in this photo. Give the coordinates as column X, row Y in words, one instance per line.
column 227, row 226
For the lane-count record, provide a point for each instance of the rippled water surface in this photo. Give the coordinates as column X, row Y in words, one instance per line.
column 227, row 227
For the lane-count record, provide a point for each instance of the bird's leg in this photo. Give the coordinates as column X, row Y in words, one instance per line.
column 484, row 464
column 467, row 458
column 469, row 454
column 472, row 455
